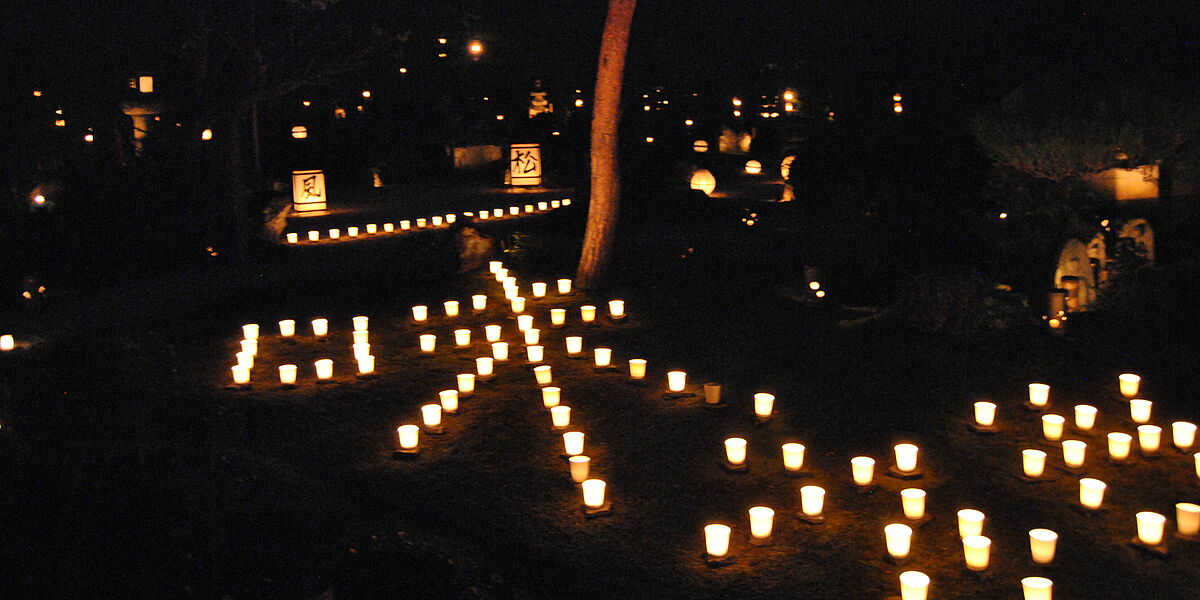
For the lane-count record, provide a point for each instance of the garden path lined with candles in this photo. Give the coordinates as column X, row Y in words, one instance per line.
column 506, row 346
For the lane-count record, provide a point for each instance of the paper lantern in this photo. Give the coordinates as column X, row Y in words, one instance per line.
column 241, row 374
column 314, row 236
column 716, row 540
column 593, row 493
column 1039, row 394
column 764, row 404
column 542, row 206
column 466, row 383
column 976, row 552
column 862, row 469
column 421, row 223
column 574, row 345
column 1150, row 527
column 431, row 416
column 539, row 289
column 637, row 368
column 352, row 231
column 462, row 337
column 785, row 166
column 762, row 519
column 700, row 146
column 616, row 309
column 491, row 333
column 293, row 238
column 812, row 500
column 308, row 190
column 1052, row 427
column 525, row 164
column 250, row 331
column 484, row 215
column 366, row 365
column 518, row 305
column 985, row 413
column 1139, row 410
column 1187, row 519
column 898, row 539
column 1129, row 384
column 287, row 328
column 534, row 353
column 250, row 347
column 428, row 342
column 1074, row 452
column 361, row 349
column 532, row 335
column 1037, row 588
column 500, row 351
column 1091, row 492
column 580, row 466
column 1119, row 445
column 560, row 416
column 324, row 368
column 587, row 313
column 372, row 228
column 320, row 327
column 906, row 457
column 735, row 451
column 498, row 213
column 495, row 265
column 420, row 313
column 1183, row 435
column 435, row 220
column 676, row 381
column 245, row 359
column 478, row 302
column 551, row 396
column 712, row 393
column 500, row 272
column 703, row 180
column 525, row 323
column 573, row 443
column 793, row 456
column 970, row 522
column 603, row 357
column 1033, row 463
column 914, row 585
column 566, row 201
column 389, row 227
column 7, row 342
column 408, row 436
column 1085, row 417
column 1149, row 437
column 514, row 211
column 1042, row 545
column 449, row 400
column 335, row 234
column 511, row 293
column 484, row 366
column 558, row 316
column 361, row 323
column 287, row 374
column 542, row 373
column 912, row 502
column 753, row 167
column 451, row 308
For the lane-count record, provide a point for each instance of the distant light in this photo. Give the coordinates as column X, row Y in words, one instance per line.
column 765, row 115
column 689, row 122
column 58, row 111
column 441, row 55
column 366, row 93
column 555, row 133
column 306, row 103
column 789, row 95
column 60, row 122
column 774, row 115
column 896, row 97
column 499, row 117
column 485, row 98
column 898, row 108
column 339, row 113
column 206, row 135
column 831, row 115
column 441, row 40
column 646, row 107
column 89, row 137
column 666, row 102
column 737, row 101
column 403, row 70
column 299, row 132
column 578, row 102
column 737, row 113
column 359, row 108
column 1003, row 215
column 1104, row 223
column 649, row 139
column 820, row 293
column 39, row 199
column 475, row 47
column 789, row 107
column 37, row 93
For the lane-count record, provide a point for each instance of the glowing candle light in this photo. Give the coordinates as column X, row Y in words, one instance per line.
column 912, row 501
column 335, row 234
column 970, row 522
column 293, row 238
column 1039, row 394
column 1149, row 437
column 898, row 538
column 985, row 413
column 511, row 292
column 914, row 585
column 287, row 328
column 587, row 313
column 250, row 331
column 812, row 500
column 676, row 381
column 1042, row 545
column 1129, row 384
column 1183, row 435
column 525, row 323
column 560, row 416
column 428, row 342
column 491, row 333
column 498, row 212
column 466, row 383
column 528, row 208
column 716, row 540
column 1187, row 519
column 7, row 342
column 539, row 289
column 543, row 375
column 1033, row 463
column 637, row 368
column 366, row 365
column 551, row 396
column 1074, row 452
column 574, row 345
column 462, row 337
column 314, row 236
column 542, row 206
column 501, row 273
column 793, row 456
column 250, row 347
column 603, row 357
column 514, row 210
column 906, row 457
column 389, row 227
column 735, row 451
column 593, row 493
column 449, row 400
column 320, row 327
column 616, row 309
column 976, row 552
column 451, row 308
column 535, row 353
column 1091, row 492
column 324, row 368
column 555, row 204
column 436, row 221
column 241, row 374
column 518, row 304
column 762, row 519
column 484, row 366
column 1150, row 527
column 245, row 359
column 1085, row 417
column 420, row 313
column 564, row 286
column 1052, row 427
column 431, row 416
column 287, row 374
column 580, row 466
column 372, row 229
column 1037, row 588
column 405, row 225
column 558, row 316
column 494, row 265
column 573, row 443
column 352, row 231
column 862, row 468
column 360, row 323
column 360, row 350
column 764, row 404
column 1139, row 410
column 409, row 436
column 478, row 302
column 500, row 350
column 532, row 335
column 1119, row 445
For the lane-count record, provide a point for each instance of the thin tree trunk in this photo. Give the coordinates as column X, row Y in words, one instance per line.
column 258, row 172
column 238, row 192
column 606, row 115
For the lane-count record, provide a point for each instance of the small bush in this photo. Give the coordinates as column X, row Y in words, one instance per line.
column 959, row 304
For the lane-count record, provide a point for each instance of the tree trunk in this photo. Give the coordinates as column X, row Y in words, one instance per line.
column 606, row 114
column 238, row 192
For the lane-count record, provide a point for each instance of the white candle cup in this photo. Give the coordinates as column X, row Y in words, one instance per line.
column 1039, row 394
column 976, row 552
column 1119, row 445
column 532, row 336
column 293, row 238
column 435, row 220
column 593, row 493
column 535, row 354
column 1052, row 427
column 361, row 323
column 287, row 328
column 539, row 289
column 573, row 443
column 287, row 374
column 793, row 456
column 1139, row 410
column 735, row 451
column 1129, row 384
column 558, row 316
column 1151, row 527
column 324, row 368
column 428, row 342
column 862, row 468
column 494, row 265
column 407, row 224
column 1037, row 588
column 462, row 337
column 712, row 393
column 551, row 396
column 501, row 274
column 716, row 540
column 484, row 366
column 574, row 345
column 970, row 522
column 250, row 331
column 420, row 313
column 320, row 327
column 466, row 383
column 366, row 365
column 512, row 210
column 431, row 416
column 587, row 313
column 389, row 227
column 500, row 351
column 580, row 467
column 1187, row 519
column 762, row 520
column 812, row 500
column 637, row 368
column 1183, row 435
column 1042, row 545
column 898, row 539
column 518, row 305
column 616, row 309
column 478, row 302
column 250, row 347
column 676, row 381
column 525, row 323
column 603, row 357
column 372, row 228
column 906, row 457
column 451, row 308
column 1149, row 438
column 528, row 208
column 985, row 413
column 361, row 337
column 564, row 286
column 245, row 359
column 912, row 501
column 914, row 585
column 361, row 349
column 409, row 436
column 449, row 400
column 241, row 374
column 542, row 206
column 542, row 374
column 554, row 204
column 1085, row 417
column 335, row 234
column 764, row 405
column 491, row 333
column 1091, row 492
column 1033, row 463
column 512, row 293
column 560, row 416
column 1074, row 452
column 352, row 231
column 314, row 236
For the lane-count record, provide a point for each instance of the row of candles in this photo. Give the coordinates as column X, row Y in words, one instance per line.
column 288, row 373
column 423, row 222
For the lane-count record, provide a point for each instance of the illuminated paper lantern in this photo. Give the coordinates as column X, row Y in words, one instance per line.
column 451, row 308
column 716, row 540
column 906, row 457
column 1150, row 527
column 1187, row 519
column 389, row 227
column 405, row 225
column 1037, row 588
column 308, row 191
column 466, row 383
column 1149, row 438
column 558, row 316
column 703, row 180
column 478, row 302
column 580, row 466
column 241, row 374
column 352, row 231
column 1139, row 410
column 753, row 167
column 912, row 502
column 528, row 208
column 431, row 417
column 428, row 342
column 435, row 221
column 451, row 218
column 1183, row 435
column 408, row 436
column 501, row 273
column 603, row 357
column 539, row 289
column 324, row 368
column 287, row 374
column 250, row 347
column 498, row 213
column 534, row 353
column 898, row 539
column 7, row 342
column 812, row 500
column 637, row 368
column 551, row 396
column 1085, row 417
column 1039, row 394
column 525, row 323
column 320, row 327
column 573, row 443
column 587, row 313
column 420, row 313
column 462, row 337
column 1052, row 427
column 542, row 206
column 564, row 286
column 793, row 456
column 542, row 374
column 1129, row 384
column 593, row 493
column 676, row 381
column 1091, row 493
column 449, row 400
column 484, row 366
column 785, row 166
column 366, row 365
column 735, row 451
column 421, row 223
column 525, row 164
column 514, row 210
column 574, row 345
column 1074, row 452
column 361, row 323
column 700, row 146
column 293, row 238
column 500, row 351
column 1033, row 463
column 985, row 414
column 764, row 405
column 762, row 520
column 250, row 331
column 1042, row 545
column 555, row 204
column 560, row 416
column 976, row 552
column 245, row 359
column 532, row 335
column 511, row 293
column 491, row 333
column 335, row 234
column 616, row 309
column 495, row 265
column 361, row 349
column 862, row 469
column 314, row 236
column 372, row 228
column 914, row 585
column 287, row 328
column 970, row 522
column 1119, row 445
